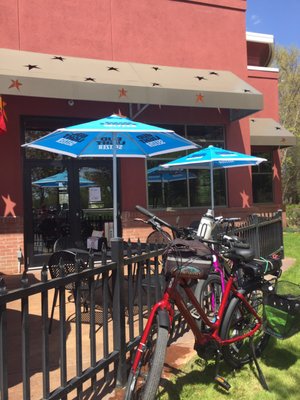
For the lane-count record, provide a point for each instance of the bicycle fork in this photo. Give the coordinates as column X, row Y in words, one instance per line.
column 165, row 318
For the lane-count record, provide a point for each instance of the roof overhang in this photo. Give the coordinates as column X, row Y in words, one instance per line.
column 268, row 132
column 263, row 45
column 42, row 75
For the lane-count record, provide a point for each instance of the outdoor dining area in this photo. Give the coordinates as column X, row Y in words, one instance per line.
column 68, row 329
column 65, row 326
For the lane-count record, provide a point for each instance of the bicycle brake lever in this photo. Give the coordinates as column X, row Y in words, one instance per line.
column 140, row 220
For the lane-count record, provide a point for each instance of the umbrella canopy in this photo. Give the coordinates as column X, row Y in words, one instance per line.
column 113, row 136
column 60, row 180
column 214, row 158
column 161, row 175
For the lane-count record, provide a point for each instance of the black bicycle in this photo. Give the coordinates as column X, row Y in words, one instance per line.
column 159, row 234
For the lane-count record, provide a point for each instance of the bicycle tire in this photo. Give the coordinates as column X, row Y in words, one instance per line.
column 157, row 237
column 209, row 294
column 144, row 383
column 239, row 320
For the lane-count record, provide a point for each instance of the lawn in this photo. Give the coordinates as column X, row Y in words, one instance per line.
column 280, row 364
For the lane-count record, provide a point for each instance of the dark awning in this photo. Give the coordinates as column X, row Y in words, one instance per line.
column 268, row 132
column 55, row 76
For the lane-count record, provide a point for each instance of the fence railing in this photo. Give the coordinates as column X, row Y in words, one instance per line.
column 263, row 232
column 98, row 321
column 99, row 318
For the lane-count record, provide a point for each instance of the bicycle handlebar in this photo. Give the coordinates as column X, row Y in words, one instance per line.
column 155, row 218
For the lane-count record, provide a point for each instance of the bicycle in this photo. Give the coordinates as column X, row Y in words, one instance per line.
column 239, row 317
column 159, row 235
column 209, row 291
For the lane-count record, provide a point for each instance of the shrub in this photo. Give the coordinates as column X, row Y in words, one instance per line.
column 293, row 216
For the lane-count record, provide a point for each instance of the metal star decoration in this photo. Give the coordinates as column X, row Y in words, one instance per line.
column 213, row 73
column 59, row 58
column 112, row 69
column 199, row 98
column 245, row 199
column 200, row 78
column 156, row 68
column 90, row 80
column 15, row 84
column 122, row 92
column 155, row 84
column 30, row 67
column 275, row 172
column 9, row 206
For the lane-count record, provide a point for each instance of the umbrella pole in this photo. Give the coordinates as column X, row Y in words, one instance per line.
column 212, row 187
column 115, row 186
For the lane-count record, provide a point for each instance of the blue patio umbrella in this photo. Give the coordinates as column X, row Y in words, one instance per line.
column 161, row 175
column 61, row 180
column 213, row 158
column 113, row 136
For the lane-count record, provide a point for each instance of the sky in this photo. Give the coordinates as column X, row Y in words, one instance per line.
column 280, row 18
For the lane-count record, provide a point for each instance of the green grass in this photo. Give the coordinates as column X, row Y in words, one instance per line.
column 280, row 363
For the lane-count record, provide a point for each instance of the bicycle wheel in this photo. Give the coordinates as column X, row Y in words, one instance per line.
column 238, row 321
column 158, row 237
column 144, row 383
column 209, row 294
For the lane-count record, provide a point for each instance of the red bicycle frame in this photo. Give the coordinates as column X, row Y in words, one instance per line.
column 172, row 295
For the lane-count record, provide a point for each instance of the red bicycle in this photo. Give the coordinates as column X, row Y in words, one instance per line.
column 236, row 333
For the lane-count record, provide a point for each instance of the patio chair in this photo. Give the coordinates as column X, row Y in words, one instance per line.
column 64, row 243
column 67, row 258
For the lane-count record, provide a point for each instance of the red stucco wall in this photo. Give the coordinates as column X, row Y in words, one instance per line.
column 204, row 34
column 267, row 83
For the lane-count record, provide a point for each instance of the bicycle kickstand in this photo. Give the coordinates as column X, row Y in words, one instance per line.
column 218, row 378
column 261, row 376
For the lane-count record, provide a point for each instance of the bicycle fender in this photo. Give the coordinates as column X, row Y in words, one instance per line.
column 163, row 319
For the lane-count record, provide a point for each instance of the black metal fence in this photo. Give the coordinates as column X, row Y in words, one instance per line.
column 97, row 323
column 264, row 233
column 99, row 318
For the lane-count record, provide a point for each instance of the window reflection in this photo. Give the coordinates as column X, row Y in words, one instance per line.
column 262, row 179
column 194, row 189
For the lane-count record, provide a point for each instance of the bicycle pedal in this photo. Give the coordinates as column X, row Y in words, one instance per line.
column 194, row 313
column 222, row 382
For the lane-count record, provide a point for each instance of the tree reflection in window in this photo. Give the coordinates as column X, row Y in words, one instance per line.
column 195, row 189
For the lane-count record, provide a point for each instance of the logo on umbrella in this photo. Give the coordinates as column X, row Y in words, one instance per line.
column 70, row 139
column 106, row 143
column 150, row 140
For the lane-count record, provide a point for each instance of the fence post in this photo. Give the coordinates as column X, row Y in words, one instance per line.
column 256, row 238
column 3, row 345
column 281, row 232
column 117, row 254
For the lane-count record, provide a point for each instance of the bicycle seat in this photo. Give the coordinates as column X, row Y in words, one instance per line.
column 241, row 253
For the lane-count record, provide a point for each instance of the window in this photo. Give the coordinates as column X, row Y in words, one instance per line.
column 189, row 188
column 262, row 179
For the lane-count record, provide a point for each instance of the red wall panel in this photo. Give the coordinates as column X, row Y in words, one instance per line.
column 187, row 34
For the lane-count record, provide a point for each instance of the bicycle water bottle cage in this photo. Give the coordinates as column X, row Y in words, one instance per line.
column 188, row 259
